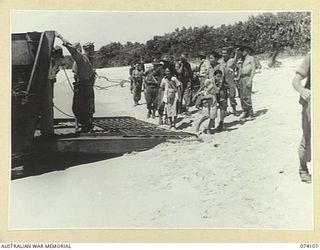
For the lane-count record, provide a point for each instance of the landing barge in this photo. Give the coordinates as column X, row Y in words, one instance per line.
column 31, row 56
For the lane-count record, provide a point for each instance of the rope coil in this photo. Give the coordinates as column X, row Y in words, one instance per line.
column 120, row 82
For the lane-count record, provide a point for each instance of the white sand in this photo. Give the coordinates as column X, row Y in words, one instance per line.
column 245, row 177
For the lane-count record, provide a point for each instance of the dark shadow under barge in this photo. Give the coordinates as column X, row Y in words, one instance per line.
column 111, row 137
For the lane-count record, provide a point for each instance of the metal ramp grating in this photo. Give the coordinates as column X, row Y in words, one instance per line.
column 126, row 126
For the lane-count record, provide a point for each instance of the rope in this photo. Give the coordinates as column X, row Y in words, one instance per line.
column 108, row 79
column 66, row 114
column 105, row 87
column 64, row 70
column 119, row 82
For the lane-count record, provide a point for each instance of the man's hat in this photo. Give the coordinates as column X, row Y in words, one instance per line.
column 156, row 62
column 202, row 54
column 88, row 45
column 183, row 57
column 57, row 52
column 77, row 44
column 166, row 58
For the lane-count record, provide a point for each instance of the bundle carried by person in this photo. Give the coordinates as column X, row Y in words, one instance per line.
column 204, row 96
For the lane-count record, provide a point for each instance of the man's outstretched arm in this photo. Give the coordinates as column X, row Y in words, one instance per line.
column 72, row 49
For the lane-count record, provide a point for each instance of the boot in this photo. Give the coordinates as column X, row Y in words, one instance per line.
column 234, row 111
column 245, row 115
column 220, row 126
column 250, row 114
column 305, row 176
column 160, row 120
column 211, row 126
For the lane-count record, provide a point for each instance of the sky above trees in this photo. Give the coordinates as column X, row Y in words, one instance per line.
column 105, row 27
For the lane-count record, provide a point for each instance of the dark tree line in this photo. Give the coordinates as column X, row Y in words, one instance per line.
column 264, row 32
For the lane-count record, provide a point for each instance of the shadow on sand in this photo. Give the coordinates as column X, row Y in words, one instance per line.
column 41, row 163
column 185, row 125
column 229, row 125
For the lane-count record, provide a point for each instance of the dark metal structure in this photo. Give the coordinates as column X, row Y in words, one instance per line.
column 31, row 57
column 114, row 135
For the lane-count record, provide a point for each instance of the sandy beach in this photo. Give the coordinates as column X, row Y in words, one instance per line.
column 244, row 177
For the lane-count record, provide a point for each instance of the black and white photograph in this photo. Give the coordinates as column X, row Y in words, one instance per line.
column 161, row 119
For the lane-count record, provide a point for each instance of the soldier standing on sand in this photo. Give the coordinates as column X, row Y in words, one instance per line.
column 151, row 90
column 184, row 72
column 83, row 99
column 159, row 74
column 246, row 76
column 203, row 68
column 131, row 68
column 228, row 70
column 302, row 73
column 137, row 76
column 237, row 70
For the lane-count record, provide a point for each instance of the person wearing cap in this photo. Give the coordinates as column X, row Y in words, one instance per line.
column 227, row 66
column 74, row 65
column 304, row 72
column 131, row 69
column 151, row 92
column 184, row 75
column 203, row 68
column 83, row 99
column 246, row 77
column 46, row 112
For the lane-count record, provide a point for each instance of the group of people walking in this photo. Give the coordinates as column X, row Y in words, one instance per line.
column 171, row 86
